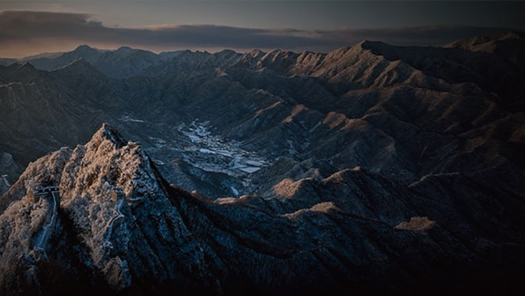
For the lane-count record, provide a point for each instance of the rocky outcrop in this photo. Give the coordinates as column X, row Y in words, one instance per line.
column 118, row 211
column 416, row 224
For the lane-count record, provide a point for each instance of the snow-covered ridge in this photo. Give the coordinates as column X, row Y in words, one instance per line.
column 114, row 199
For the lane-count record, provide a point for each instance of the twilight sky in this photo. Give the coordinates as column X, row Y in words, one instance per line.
column 31, row 27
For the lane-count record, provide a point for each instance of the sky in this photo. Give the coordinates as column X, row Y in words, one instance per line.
column 32, row 27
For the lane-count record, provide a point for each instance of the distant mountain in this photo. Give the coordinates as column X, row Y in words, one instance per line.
column 50, row 55
column 123, row 62
column 7, row 62
column 423, row 111
column 489, row 44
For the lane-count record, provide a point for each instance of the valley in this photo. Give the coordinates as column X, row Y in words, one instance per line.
column 373, row 168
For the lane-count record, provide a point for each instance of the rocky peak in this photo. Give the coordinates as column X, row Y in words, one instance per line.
column 83, row 51
column 107, row 133
column 256, row 53
column 512, row 35
column 376, row 46
column 26, row 65
column 131, row 55
column 125, row 49
column 84, row 48
column 80, row 68
column 79, row 64
column 26, row 72
column 118, row 207
column 506, row 41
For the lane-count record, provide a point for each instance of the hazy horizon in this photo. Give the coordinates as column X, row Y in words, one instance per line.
column 33, row 27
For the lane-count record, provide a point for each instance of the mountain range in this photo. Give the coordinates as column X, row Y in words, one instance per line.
column 370, row 169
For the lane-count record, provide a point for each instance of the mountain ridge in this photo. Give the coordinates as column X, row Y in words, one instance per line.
column 118, row 220
column 400, row 96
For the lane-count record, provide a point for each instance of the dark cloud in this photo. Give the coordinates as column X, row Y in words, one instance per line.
column 422, row 36
column 29, row 32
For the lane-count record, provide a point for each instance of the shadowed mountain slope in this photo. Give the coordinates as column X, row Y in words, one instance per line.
column 115, row 225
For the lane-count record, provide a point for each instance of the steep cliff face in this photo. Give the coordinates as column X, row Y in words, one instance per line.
column 112, row 224
column 115, row 205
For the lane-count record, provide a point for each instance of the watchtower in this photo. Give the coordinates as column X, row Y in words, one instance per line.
column 43, row 191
